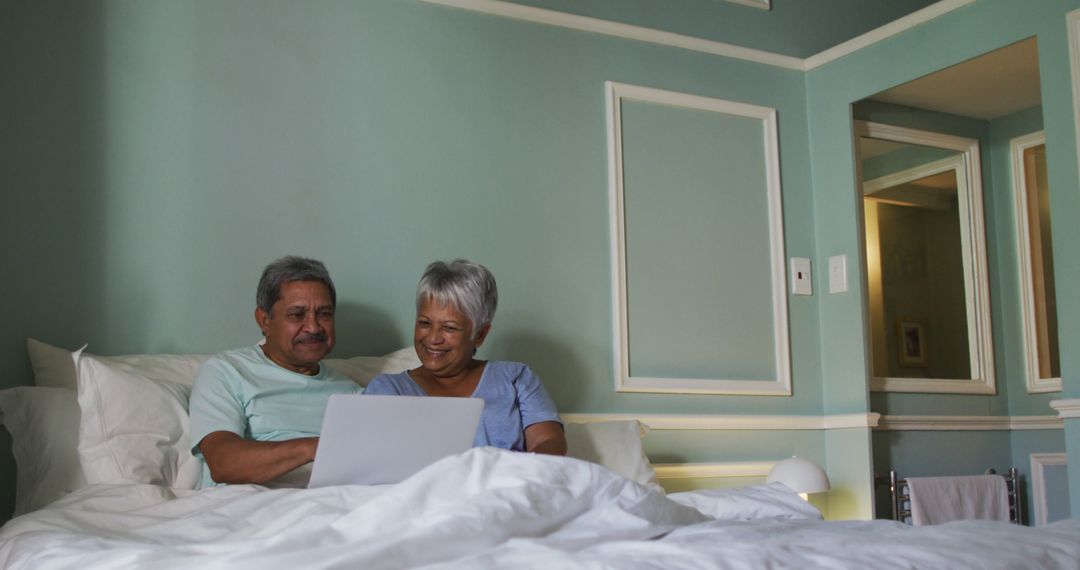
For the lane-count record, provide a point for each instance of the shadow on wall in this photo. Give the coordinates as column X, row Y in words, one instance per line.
column 52, row 153
column 557, row 364
column 364, row 330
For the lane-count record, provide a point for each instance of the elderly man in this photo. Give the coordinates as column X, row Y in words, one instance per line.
column 256, row 412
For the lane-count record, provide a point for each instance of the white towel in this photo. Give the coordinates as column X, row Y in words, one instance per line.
column 936, row 500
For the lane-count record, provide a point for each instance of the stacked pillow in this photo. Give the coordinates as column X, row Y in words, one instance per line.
column 123, row 419
column 118, row 419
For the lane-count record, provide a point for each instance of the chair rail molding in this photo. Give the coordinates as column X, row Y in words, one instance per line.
column 968, row 423
column 1067, row 409
column 734, row 422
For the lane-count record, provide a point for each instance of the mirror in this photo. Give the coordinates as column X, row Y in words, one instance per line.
column 927, row 289
column 1035, row 259
column 925, row 255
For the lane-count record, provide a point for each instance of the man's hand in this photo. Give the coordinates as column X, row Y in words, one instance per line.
column 233, row 459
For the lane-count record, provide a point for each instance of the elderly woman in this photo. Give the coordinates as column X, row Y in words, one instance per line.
column 455, row 303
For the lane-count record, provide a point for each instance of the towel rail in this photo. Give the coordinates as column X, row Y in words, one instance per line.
column 900, row 500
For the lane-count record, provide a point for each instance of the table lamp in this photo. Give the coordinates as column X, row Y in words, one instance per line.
column 801, row 475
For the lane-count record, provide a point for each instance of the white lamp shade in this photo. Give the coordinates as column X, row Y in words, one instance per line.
column 801, row 475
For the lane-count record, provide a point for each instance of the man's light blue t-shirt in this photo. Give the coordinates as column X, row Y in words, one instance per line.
column 244, row 392
column 514, row 399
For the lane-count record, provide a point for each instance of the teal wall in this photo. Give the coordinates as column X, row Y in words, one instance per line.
column 832, row 88
column 155, row 155
column 401, row 132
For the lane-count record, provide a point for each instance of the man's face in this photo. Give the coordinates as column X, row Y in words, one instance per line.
column 299, row 329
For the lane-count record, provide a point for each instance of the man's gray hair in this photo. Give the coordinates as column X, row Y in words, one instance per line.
column 469, row 287
column 286, row 270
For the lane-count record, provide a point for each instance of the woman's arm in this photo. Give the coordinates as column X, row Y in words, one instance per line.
column 545, row 437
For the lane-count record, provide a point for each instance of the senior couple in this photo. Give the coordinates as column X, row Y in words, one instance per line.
column 256, row 412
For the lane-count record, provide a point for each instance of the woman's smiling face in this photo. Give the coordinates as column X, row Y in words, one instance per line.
column 444, row 340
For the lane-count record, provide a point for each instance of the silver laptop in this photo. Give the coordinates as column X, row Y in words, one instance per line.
column 372, row 440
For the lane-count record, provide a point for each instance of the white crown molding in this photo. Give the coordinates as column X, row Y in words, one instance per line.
column 670, row 39
column 887, row 31
column 708, row 470
column 763, row 4
column 954, row 162
column 733, row 423
column 1067, row 409
column 628, row 31
column 968, row 423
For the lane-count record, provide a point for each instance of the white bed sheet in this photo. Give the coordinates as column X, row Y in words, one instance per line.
column 493, row 509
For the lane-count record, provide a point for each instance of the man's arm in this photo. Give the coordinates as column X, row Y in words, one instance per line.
column 545, row 437
column 233, row 459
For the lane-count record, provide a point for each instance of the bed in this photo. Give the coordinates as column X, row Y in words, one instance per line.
column 134, row 505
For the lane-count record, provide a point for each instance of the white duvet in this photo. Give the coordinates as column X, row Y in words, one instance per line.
column 493, row 509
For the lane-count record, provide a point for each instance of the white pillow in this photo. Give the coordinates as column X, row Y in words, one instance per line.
column 615, row 445
column 53, row 367
column 134, row 425
column 362, row 369
column 44, row 424
column 772, row 501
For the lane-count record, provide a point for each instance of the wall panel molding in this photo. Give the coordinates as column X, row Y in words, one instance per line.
column 1039, row 463
column 780, row 384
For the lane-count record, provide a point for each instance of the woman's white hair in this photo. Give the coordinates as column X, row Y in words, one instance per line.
column 468, row 287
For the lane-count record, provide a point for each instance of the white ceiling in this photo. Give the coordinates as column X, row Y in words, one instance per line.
column 987, row 87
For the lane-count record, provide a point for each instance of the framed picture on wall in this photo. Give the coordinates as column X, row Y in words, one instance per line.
column 911, row 335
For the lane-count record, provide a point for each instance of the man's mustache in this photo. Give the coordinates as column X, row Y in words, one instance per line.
column 311, row 337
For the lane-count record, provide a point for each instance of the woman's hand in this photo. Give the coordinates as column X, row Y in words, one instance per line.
column 545, row 437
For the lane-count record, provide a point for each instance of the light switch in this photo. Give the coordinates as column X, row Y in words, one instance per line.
column 838, row 274
column 800, row 276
